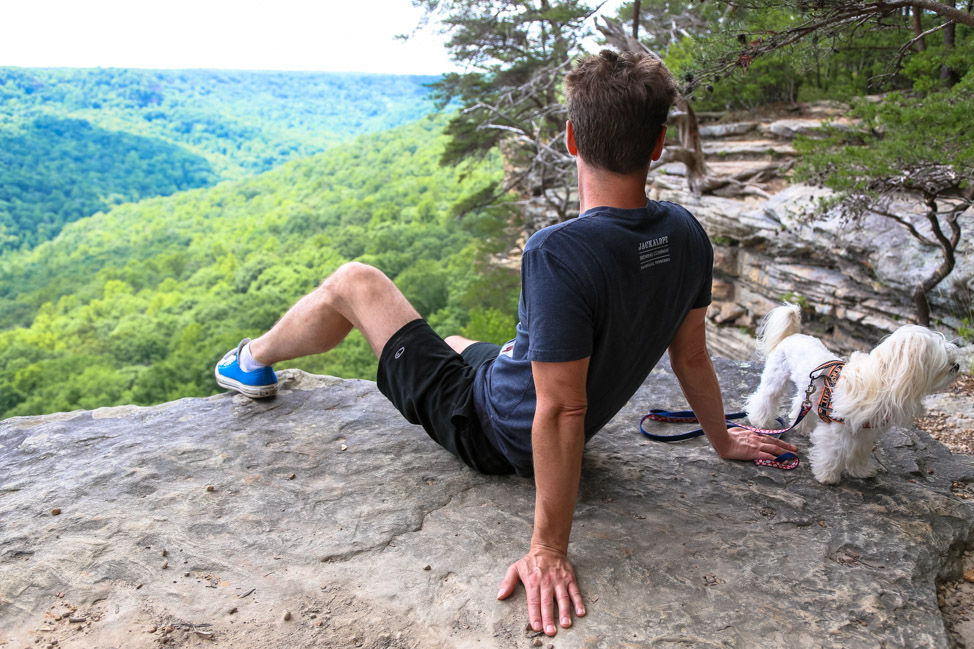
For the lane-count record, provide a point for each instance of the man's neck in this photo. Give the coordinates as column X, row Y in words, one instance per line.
column 600, row 188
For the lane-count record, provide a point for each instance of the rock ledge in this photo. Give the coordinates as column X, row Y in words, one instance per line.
column 218, row 518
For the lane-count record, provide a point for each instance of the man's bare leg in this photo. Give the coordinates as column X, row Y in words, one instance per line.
column 355, row 295
column 458, row 343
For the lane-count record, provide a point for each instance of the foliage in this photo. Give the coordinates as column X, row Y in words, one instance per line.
column 915, row 144
column 766, row 52
column 898, row 137
column 136, row 305
column 59, row 170
column 490, row 325
column 769, row 80
column 505, row 44
column 966, row 331
column 76, row 141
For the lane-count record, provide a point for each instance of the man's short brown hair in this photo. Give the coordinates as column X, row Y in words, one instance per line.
column 617, row 104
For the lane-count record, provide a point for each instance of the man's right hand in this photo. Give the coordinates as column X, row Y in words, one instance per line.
column 548, row 578
column 746, row 445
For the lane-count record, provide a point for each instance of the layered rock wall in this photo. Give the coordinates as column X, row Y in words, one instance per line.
column 854, row 280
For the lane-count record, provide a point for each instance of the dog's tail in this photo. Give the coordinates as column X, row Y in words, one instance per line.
column 779, row 324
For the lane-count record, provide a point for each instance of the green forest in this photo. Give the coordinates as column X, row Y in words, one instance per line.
column 74, row 142
column 137, row 304
column 150, row 219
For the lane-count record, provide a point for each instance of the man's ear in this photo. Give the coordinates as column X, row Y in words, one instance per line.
column 570, row 138
column 660, row 142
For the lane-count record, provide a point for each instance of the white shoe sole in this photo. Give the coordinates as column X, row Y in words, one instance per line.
column 252, row 391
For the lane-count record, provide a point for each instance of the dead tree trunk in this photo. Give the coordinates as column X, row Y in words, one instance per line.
column 921, row 42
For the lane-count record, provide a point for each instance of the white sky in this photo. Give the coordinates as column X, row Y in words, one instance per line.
column 332, row 35
column 323, row 35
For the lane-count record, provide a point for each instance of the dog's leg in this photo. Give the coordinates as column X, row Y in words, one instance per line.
column 762, row 406
column 807, row 424
column 860, row 462
column 828, row 453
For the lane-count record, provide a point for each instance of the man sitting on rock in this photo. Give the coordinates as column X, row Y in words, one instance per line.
column 602, row 297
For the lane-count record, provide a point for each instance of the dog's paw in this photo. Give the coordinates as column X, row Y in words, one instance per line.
column 827, row 477
column 863, row 470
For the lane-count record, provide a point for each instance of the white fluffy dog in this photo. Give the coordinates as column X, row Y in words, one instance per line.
column 873, row 393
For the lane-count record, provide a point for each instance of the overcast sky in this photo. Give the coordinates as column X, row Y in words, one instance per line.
column 334, row 35
column 326, row 35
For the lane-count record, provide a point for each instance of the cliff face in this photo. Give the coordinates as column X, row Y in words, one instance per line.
column 855, row 284
column 214, row 518
column 855, row 280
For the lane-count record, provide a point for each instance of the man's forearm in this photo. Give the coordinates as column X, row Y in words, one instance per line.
column 558, row 438
column 691, row 363
column 702, row 390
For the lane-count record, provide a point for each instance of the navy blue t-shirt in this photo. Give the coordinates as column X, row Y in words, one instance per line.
column 614, row 285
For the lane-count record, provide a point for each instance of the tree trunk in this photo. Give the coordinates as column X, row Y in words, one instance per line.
column 948, row 74
column 918, row 28
column 921, row 305
column 635, row 19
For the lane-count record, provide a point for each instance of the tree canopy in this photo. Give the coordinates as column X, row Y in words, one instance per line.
column 515, row 53
column 136, row 304
column 73, row 142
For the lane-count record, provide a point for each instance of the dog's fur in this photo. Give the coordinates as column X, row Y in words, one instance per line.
column 884, row 388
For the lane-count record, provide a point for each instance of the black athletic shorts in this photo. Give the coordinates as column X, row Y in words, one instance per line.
column 432, row 385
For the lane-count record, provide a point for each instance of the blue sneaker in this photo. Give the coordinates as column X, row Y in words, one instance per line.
column 256, row 385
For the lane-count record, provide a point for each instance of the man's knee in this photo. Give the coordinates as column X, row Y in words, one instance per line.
column 352, row 276
column 352, row 271
column 357, row 285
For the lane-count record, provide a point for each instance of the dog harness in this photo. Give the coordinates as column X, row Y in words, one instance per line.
column 830, row 375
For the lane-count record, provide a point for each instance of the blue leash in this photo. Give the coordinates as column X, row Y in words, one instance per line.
column 680, row 416
column 785, row 461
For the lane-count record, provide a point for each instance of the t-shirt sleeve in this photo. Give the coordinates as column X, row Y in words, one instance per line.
column 704, row 297
column 559, row 319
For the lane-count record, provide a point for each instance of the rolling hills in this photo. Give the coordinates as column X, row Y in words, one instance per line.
column 77, row 141
column 135, row 305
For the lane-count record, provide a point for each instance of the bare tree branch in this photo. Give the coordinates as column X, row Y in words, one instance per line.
column 938, row 8
column 894, row 66
column 906, row 224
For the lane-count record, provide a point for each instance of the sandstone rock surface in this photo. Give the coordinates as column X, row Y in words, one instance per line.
column 320, row 518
